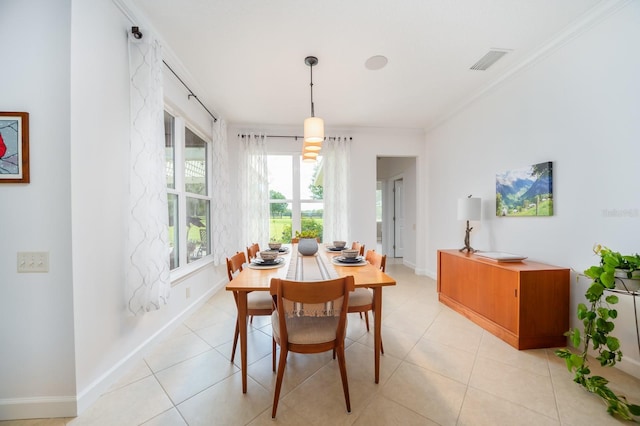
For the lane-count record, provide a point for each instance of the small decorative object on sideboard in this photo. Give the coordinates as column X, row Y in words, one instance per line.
column 598, row 317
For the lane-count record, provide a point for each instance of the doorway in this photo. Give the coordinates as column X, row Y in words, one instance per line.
column 396, row 183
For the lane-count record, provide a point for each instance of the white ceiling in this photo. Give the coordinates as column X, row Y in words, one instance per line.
column 246, row 57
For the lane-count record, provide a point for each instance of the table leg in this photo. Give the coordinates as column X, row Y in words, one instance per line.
column 242, row 324
column 377, row 328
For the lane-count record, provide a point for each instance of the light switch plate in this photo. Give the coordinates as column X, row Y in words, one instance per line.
column 33, row 261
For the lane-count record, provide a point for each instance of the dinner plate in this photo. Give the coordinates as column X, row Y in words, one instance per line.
column 268, row 266
column 262, row 262
column 331, row 248
column 281, row 250
column 342, row 261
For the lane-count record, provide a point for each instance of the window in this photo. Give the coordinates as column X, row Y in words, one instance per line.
column 295, row 196
column 187, row 159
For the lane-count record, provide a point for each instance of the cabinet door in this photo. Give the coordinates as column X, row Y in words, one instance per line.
column 499, row 297
column 459, row 279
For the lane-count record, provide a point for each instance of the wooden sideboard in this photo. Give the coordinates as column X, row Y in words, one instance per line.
column 526, row 304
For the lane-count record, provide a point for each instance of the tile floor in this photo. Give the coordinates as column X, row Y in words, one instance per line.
column 438, row 369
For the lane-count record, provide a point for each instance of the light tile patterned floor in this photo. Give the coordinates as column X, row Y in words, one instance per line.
column 438, row 369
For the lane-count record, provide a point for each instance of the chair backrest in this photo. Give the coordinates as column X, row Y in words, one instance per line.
column 328, row 298
column 235, row 264
column 357, row 246
column 376, row 259
column 252, row 251
column 295, row 240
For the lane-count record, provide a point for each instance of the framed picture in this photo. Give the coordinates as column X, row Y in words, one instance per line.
column 526, row 191
column 14, row 147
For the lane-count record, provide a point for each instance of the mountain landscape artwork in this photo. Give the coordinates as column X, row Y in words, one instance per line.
column 527, row 191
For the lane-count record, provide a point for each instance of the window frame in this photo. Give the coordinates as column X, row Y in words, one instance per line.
column 296, row 201
column 180, row 124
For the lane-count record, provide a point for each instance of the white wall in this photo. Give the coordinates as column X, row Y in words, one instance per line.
column 36, row 310
column 577, row 107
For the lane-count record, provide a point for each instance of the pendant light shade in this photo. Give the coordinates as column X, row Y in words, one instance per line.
column 313, row 126
column 312, row 146
column 314, row 129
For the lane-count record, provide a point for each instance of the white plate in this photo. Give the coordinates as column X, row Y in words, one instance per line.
column 500, row 256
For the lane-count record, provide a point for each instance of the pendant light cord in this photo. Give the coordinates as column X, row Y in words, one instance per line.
column 311, row 84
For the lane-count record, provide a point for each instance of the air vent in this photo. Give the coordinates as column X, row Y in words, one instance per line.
column 489, row 59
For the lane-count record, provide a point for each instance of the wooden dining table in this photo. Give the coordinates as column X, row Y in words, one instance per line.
column 307, row 268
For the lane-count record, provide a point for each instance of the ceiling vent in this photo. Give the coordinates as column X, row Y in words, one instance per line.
column 489, row 59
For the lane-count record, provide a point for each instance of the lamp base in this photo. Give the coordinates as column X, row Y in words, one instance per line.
column 467, row 247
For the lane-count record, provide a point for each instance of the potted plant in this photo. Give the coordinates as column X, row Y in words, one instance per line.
column 621, row 271
column 307, row 242
column 597, row 318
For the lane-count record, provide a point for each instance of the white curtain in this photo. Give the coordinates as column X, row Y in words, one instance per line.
column 147, row 248
column 335, row 158
column 254, row 184
column 221, row 226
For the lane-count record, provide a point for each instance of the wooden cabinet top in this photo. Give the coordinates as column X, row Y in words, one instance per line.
column 524, row 265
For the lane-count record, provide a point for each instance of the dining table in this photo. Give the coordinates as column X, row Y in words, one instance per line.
column 323, row 265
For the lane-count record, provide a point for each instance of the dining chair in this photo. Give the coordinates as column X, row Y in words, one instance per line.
column 252, row 251
column 361, row 300
column 258, row 302
column 310, row 317
column 358, row 246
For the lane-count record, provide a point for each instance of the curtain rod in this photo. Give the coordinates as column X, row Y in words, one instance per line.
column 191, row 94
column 243, row 135
column 138, row 34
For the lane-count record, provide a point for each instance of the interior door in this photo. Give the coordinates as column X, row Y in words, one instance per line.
column 398, row 218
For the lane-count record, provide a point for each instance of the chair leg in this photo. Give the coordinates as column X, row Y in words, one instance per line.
column 381, row 347
column 251, row 319
column 366, row 320
column 276, row 393
column 343, row 374
column 235, row 341
column 273, row 354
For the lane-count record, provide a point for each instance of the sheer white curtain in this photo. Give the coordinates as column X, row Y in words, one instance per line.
column 335, row 158
column 221, row 240
column 254, row 189
column 147, row 247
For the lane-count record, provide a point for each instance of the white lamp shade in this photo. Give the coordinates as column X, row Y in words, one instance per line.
column 469, row 208
column 306, row 153
column 313, row 129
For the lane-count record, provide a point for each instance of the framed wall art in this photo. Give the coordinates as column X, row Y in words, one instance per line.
column 14, row 147
column 527, row 191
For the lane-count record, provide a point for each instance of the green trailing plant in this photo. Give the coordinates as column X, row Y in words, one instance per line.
column 597, row 316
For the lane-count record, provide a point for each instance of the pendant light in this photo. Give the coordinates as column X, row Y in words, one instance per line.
column 313, row 126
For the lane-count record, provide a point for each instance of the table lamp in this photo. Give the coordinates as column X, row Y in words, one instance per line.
column 469, row 209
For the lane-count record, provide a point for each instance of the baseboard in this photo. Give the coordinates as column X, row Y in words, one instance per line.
column 89, row 395
column 72, row 406
column 37, row 407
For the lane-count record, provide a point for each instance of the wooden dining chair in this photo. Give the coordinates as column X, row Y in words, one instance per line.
column 358, row 246
column 310, row 318
column 252, row 251
column 361, row 300
column 258, row 302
